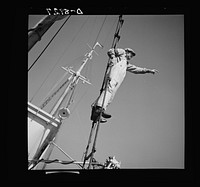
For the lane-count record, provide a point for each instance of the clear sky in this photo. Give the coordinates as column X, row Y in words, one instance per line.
column 147, row 125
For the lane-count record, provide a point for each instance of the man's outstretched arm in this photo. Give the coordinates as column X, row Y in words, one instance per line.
column 138, row 70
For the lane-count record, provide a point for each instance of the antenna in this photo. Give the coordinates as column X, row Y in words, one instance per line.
column 63, row 112
column 75, row 78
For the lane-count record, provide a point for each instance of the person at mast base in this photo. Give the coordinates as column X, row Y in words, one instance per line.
column 118, row 66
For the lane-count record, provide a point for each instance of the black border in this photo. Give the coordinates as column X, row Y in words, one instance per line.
column 16, row 129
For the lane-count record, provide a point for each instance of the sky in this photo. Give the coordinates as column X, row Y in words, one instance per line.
column 147, row 125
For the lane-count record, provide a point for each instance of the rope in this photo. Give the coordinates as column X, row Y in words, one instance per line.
column 49, row 43
column 95, row 42
column 58, row 62
column 105, row 86
column 109, row 32
column 56, row 84
column 114, row 43
column 100, row 30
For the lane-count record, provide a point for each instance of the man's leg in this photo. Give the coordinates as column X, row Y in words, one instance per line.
column 110, row 93
column 95, row 114
column 96, row 109
column 106, row 101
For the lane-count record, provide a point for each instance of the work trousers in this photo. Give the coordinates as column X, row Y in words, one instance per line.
column 113, row 85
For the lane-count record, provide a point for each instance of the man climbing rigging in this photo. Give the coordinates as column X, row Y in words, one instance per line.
column 119, row 64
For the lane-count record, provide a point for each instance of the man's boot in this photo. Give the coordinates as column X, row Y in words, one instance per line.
column 105, row 115
column 102, row 120
column 96, row 110
column 94, row 114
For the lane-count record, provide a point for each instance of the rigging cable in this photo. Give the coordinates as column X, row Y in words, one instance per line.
column 103, row 88
column 73, row 90
column 95, row 42
column 57, row 63
column 49, row 98
column 100, row 30
column 93, row 45
column 114, row 43
column 49, row 43
column 106, row 38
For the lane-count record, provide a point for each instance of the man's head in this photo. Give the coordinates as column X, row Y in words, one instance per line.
column 129, row 53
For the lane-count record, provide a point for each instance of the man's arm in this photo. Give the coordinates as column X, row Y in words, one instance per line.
column 138, row 70
column 115, row 52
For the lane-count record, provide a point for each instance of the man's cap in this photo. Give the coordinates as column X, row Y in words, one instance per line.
column 130, row 50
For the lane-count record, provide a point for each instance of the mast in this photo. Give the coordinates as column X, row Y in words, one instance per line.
column 96, row 125
column 74, row 78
